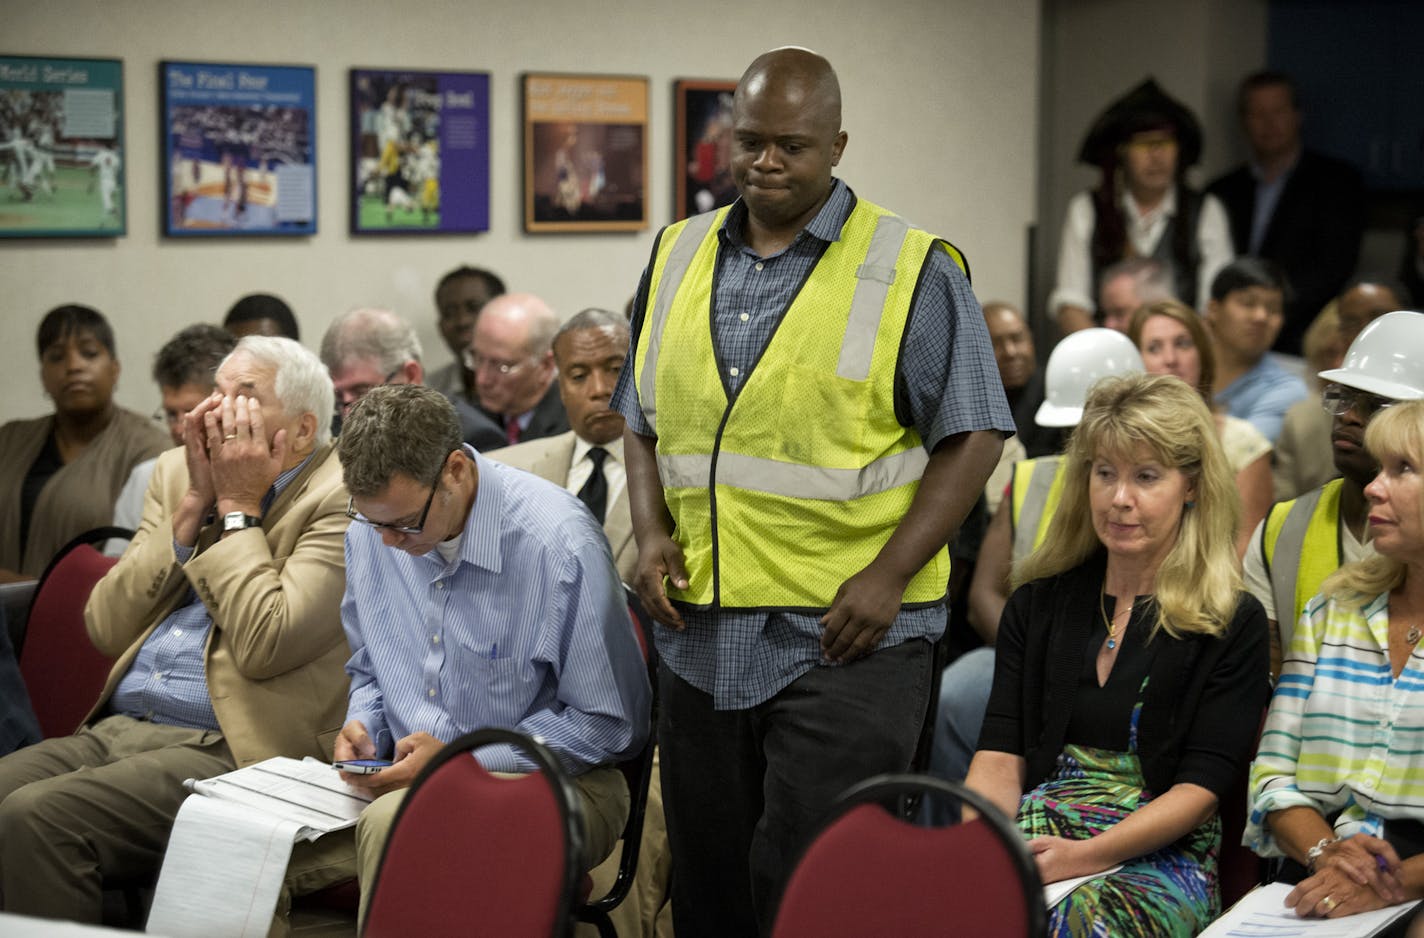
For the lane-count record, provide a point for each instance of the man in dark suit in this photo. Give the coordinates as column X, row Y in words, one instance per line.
column 512, row 358
column 1299, row 208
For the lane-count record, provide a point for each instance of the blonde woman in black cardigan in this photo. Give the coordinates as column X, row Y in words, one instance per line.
column 1131, row 669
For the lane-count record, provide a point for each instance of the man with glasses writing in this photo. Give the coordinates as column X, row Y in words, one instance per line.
column 1304, row 540
column 512, row 358
column 477, row 595
column 367, row 348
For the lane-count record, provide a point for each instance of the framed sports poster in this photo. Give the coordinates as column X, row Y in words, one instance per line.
column 240, row 148
column 585, row 153
column 702, row 146
column 61, row 147
column 419, row 151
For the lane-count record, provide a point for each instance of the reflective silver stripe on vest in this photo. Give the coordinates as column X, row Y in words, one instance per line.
column 793, row 480
column 678, row 262
column 1034, row 503
column 1285, row 561
column 873, row 280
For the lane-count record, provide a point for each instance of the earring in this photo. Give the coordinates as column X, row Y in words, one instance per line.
column 1190, row 504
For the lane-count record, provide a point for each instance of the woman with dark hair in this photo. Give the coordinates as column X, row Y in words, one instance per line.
column 1130, row 670
column 1142, row 145
column 61, row 473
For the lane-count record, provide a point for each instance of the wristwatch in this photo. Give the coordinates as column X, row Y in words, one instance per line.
column 237, row 521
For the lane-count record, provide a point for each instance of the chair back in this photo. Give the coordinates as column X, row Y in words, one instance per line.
column 973, row 879
column 63, row 671
column 470, row 853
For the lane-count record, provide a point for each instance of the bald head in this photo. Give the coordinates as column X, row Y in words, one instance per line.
column 786, row 124
column 794, row 71
column 512, row 352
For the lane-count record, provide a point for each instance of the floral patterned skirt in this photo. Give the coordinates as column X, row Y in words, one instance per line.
column 1172, row 892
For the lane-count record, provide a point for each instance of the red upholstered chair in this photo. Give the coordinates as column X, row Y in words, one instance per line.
column 472, row 854
column 62, row 669
column 868, row 872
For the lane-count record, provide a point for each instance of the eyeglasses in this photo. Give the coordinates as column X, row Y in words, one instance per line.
column 475, row 362
column 416, row 528
column 1338, row 400
column 351, row 395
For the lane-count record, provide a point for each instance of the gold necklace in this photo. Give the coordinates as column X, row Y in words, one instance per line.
column 1103, row 608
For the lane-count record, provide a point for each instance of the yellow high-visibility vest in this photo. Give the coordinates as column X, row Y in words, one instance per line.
column 780, row 493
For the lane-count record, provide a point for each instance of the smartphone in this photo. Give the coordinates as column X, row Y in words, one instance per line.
column 361, row 766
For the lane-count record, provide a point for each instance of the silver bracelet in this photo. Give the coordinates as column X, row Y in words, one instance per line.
column 1315, row 853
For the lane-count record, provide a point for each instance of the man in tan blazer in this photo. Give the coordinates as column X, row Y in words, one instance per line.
column 224, row 615
column 589, row 350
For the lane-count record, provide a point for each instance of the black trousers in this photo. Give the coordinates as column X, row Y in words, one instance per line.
column 745, row 790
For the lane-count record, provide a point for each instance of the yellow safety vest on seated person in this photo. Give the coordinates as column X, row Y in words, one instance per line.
column 781, row 493
column 1037, row 485
column 1301, row 546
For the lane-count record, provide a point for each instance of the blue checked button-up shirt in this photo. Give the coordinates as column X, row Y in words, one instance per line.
column 946, row 382
column 168, row 679
column 526, row 629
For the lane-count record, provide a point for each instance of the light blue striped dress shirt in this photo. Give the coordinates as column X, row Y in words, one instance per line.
column 527, row 629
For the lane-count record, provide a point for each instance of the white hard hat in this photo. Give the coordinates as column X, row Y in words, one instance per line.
column 1076, row 364
column 1386, row 358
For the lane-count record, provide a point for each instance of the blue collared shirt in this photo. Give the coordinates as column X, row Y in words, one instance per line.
column 168, row 679
column 946, row 382
column 526, row 629
column 1262, row 396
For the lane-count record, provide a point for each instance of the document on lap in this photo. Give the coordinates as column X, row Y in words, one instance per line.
column 233, row 836
column 1262, row 913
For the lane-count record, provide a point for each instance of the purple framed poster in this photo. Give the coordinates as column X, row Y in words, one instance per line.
column 419, row 151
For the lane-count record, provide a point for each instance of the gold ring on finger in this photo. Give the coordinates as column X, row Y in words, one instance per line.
column 230, row 436
column 1329, row 903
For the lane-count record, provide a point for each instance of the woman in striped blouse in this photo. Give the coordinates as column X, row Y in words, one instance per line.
column 1338, row 784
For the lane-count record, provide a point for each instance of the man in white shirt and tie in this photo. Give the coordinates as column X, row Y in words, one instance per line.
column 587, row 460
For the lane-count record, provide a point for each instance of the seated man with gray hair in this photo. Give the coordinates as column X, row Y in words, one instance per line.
column 368, row 347
column 224, row 617
column 477, row 596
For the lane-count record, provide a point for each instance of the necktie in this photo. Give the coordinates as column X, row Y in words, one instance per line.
column 511, row 430
column 594, row 493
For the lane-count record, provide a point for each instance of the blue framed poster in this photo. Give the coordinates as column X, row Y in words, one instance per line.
column 419, row 151
column 61, row 147
column 240, row 144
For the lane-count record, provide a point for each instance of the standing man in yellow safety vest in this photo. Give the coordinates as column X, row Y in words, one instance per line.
column 812, row 407
column 1304, row 540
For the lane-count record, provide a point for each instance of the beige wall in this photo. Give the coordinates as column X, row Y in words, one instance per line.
column 940, row 104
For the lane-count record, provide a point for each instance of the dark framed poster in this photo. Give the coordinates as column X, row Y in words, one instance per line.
column 585, row 153
column 419, row 151
column 702, row 146
column 62, row 147
column 240, row 149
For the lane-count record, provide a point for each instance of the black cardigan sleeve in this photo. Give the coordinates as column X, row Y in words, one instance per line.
column 1221, row 734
